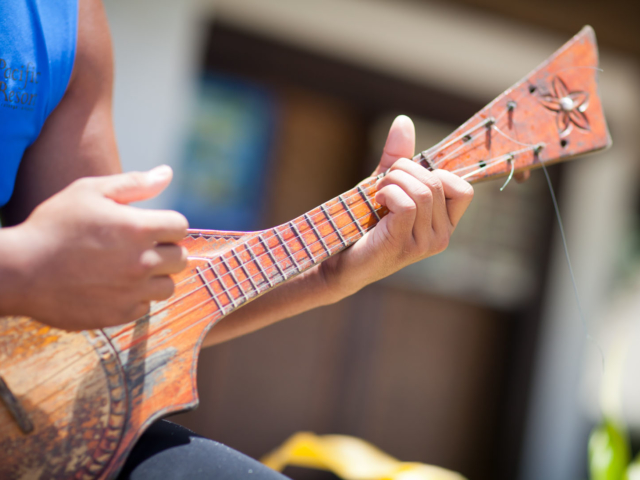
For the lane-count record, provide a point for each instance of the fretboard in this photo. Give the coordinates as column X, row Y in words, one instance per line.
column 273, row 256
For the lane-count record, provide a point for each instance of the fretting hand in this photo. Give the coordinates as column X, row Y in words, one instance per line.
column 424, row 209
column 85, row 259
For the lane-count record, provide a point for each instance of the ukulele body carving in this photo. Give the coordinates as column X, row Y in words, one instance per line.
column 72, row 404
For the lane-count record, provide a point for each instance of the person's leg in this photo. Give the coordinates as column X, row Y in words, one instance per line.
column 171, row 452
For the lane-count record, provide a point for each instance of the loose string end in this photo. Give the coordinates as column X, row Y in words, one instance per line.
column 513, row 168
column 583, row 320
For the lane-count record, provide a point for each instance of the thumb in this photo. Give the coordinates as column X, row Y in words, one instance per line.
column 136, row 186
column 400, row 143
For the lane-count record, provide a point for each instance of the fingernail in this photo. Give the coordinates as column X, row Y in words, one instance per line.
column 160, row 173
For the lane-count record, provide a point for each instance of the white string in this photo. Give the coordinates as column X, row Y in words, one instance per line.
column 491, row 122
column 257, row 276
column 496, row 161
column 457, row 139
column 307, row 261
column 573, row 279
column 221, row 276
column 164, row 340
column 513, row 168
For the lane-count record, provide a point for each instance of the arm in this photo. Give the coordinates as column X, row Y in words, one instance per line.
column 78, row 139
column 76, row 255
column 424, row 209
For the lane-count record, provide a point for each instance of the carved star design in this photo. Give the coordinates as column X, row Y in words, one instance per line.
column 569, row 105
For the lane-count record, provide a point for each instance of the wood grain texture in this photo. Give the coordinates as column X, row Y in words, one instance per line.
column 89, row 395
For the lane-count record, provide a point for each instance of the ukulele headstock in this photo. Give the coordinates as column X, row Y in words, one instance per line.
column 551, row 115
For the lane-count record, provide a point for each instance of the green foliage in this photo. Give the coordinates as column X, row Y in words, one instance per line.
column 633, row 472
column 609, row 453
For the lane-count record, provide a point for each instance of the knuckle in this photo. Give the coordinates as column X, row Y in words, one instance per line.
column 394, row 176
column 435, row 184
column 441, row 243
column 149, row 260
column 132, row 225
column 165, row 288
column 424, row 195
column 400, row 163
column 139, row 270
column 407, row 207
column 184, row 259
column 135, row 179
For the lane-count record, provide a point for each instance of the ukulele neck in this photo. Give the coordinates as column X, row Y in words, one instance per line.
column 272, row 256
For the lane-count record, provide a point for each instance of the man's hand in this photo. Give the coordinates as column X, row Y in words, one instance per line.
column 424, row 209
column 85, row 259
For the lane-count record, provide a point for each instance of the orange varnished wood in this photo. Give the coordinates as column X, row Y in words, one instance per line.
column 527, row 114
column 91, row 394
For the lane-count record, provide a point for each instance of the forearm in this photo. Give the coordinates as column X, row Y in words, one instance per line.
column 12, row 271
column 304, row 292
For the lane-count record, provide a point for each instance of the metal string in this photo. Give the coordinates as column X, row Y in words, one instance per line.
column 150, row 334
column 358, row 203
column 305, row 261
column 513, row 169
column 583, row 320
column 221, row 276
column 494, row 162
column 574, row 284
column 258, row 276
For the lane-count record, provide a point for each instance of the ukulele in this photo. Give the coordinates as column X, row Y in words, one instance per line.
column 72, row 404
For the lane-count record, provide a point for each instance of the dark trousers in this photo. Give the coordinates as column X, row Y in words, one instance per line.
column 168, row 451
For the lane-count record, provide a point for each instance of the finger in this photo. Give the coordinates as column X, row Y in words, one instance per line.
column 422, row 197
column 165, row 259
column 162, row 226
column 437, row 203
column 139, row 311
column 400, row 143
column 458, row 194
column 135, row 186
column 402, row 211
column 522, row 176
column 158, row 288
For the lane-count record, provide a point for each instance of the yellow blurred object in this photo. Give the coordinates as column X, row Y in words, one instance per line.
column 350, row 458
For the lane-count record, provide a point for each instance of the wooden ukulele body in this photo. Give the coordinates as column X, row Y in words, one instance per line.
column 89, row 395
column 72, row 404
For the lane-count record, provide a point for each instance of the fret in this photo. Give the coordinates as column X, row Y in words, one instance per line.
column 207, row 285
column 244, row 270
column 286, row 248
column 222, row 285
column 353, row 217
column 260, row 268
column 294, row 229
column 273, row 259
column 316, row 233
column 233, row 277
column 333, row 224
column 368, row 202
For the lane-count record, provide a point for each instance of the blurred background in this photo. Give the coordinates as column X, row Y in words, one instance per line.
column 476, row 359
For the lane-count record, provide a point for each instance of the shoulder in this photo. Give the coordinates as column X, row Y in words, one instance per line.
column 77, row 139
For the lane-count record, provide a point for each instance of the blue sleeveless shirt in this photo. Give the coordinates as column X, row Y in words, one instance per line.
column 37, row 51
